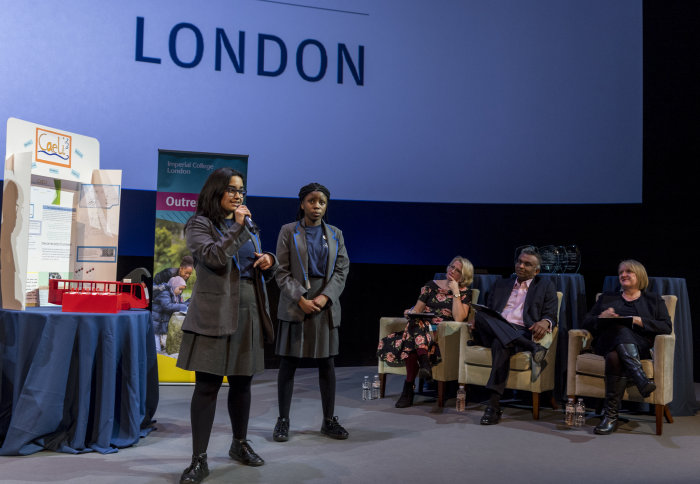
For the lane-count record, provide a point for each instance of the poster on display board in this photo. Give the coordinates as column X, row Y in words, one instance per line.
column 181, row 176
column 60, row 212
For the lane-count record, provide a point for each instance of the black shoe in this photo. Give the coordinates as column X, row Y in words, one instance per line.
column 281, row 432
column 491, row 416
column 333, row 429
column 537, row 369
column 406, row 398
column 242, row 452
column 197, row 470
column 539, row 354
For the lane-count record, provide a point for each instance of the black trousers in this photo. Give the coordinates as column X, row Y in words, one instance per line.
column 504, row 340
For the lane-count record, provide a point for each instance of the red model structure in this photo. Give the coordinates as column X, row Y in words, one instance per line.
column 97, row 296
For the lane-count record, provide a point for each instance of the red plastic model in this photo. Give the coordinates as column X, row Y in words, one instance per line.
column 97, row 296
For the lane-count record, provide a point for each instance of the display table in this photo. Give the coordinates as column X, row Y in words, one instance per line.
column 571, row 314
column 75, row 382
column 684, row 402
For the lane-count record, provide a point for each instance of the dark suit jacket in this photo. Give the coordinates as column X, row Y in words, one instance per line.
column 540, row 303
column 293, row 271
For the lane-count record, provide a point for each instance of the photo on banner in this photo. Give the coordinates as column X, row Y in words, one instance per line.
column 181, row 176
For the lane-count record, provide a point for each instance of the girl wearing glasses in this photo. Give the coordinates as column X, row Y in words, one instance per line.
column 228, row 317
column 313, row 266
column 415, row 347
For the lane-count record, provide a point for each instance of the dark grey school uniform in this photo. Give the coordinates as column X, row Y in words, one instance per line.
column 240, row 351
column 313, row 261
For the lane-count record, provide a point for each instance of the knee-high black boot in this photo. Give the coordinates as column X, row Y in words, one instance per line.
column 425, row 369
column 406, row 398
column 629, row 355
column 614, row 389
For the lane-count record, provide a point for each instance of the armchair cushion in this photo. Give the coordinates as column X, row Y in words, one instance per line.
column 481, row 356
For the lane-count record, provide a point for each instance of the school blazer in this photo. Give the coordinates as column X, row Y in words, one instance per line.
column 292, row 274
column 215, row 298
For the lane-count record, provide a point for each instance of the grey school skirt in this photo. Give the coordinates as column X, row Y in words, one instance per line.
column 240, row 353
column 311, row 338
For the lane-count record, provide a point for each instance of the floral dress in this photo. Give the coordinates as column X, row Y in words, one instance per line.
column 395, row 347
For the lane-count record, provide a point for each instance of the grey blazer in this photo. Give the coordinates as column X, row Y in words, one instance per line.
column 292, row 274
column 213, row 307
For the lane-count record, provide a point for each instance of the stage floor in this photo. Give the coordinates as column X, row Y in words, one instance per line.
column 386, row 444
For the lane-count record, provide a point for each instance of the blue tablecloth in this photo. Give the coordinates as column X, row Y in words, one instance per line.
column 571, row 314
column 684, row 402
column 75, row 382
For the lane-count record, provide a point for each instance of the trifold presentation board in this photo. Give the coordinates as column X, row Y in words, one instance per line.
column 60, row 213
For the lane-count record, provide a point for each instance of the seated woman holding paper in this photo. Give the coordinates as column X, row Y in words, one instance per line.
column 448, row 299
column 624, row 325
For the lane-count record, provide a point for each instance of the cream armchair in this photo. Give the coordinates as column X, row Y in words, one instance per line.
column 475, row 366
column 585, row 375
column 447, row 337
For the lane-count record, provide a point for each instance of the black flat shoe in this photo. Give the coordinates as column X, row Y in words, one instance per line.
column 333, row 429
column 242, row 452
column 492, row 416
column 281, row 432
column 539, row 354
column 197, row 470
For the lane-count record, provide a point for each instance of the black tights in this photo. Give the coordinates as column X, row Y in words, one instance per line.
column 203, row 407
column 613, row 365
column 326, row 383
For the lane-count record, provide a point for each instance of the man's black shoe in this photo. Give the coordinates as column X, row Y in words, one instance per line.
column 539, row 354
column 492, row 416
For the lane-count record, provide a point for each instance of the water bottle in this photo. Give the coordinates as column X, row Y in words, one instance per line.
column 570, row 413
column 580, row 417
column 375, row 387
column 366, row 390
column 461, row 399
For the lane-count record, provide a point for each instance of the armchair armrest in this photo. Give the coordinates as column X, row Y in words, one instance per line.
column 447, row 336
column 664, row 349
column 585, row 336
column 464, row 336
column 579, row 339
column 388, row 325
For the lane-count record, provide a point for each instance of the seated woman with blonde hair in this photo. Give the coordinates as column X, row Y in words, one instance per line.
column 415, row 346
column 623, row 344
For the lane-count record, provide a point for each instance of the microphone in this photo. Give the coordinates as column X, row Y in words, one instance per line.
column 250, row 224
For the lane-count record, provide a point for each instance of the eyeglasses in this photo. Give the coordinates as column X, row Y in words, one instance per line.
column 231, row 190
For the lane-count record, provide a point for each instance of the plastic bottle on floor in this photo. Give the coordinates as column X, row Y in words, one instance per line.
column 580, row 413
column 366, row 390
column 569, row 413
column 461, row 399
column 375, row 387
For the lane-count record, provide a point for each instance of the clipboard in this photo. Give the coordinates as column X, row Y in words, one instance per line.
column 626, row 321
column 423, row 316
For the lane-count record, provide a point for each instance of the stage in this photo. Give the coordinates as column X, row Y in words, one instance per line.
column 386, row 444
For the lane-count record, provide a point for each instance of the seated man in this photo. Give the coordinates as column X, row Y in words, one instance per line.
column 529, row 305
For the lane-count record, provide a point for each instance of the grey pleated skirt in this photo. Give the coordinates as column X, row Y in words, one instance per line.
column 240, row 353
column 311, row 338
